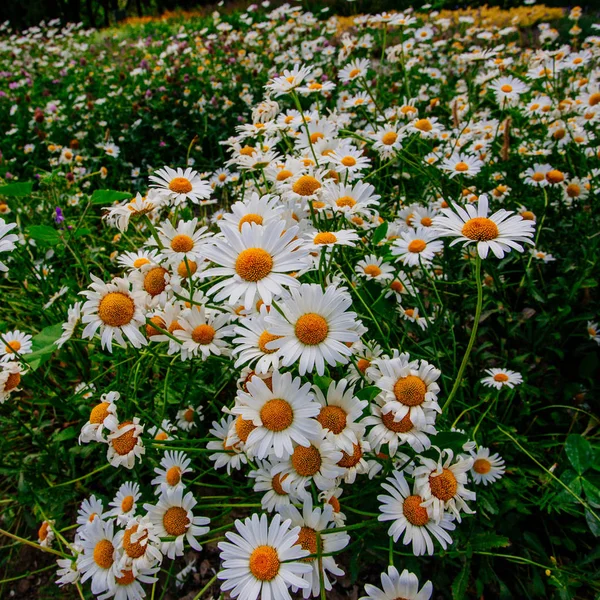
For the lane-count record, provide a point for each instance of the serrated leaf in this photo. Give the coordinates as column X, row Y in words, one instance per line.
column 368, row 393
column 487, row 540
column 380, row 233
column 579, row 452
column 17, row 189
column 107, row 197
column 460, row 583
column 44, row 233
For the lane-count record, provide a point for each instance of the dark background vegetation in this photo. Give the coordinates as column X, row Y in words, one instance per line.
column 102, row 13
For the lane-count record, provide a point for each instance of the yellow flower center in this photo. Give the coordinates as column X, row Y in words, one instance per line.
column 306, row 461
column 410, row 390
column 264, row 339
column 184, row 270
column 134, row 549
column 12, row 381
column 397, row 286
column 311, row 329
column 126, row 579
column 203, row 334
column 243, row 428
column 127, row 504
column 43, row 531
column 264, row 563
column 507, row 88
column 175, row 521
column 103, row 554
column 417, row 246
column 276, row 414
column 480, row 229
column 333, row 418
column 389, row 138
column 538, row 177
column 423, row 125
column 555, row 176
column 426, row 222
column 501, row 377
column 573, row 190
column 363, row 364
column 154, row 281
column 482, row 466
column 527, row 215
column 251, row 218
column 444, row 485
column 99, row 413
column 158, row 321
column 316, row 136
column 276, row 484
column 354, row 73
column 116, row 309
column 182, row 243
column 402, row 426
column 253, row 264
column 345, row 201
column 413, row 511
column 461, row 166
column 283, row 175
column 180, row 185
column 325, row 237
column 126, row 442
column 348, row 461
column 247, row 151
column 173, row 476
column 348, row 161
column 140, row 262
column 306, row 185
column 594, row 99
column 307, row 538
column 372, row 270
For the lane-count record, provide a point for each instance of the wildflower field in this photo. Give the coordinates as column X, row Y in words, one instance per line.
column 301, row 306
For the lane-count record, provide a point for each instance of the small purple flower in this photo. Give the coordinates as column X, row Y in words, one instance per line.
column 162, row 144
column 8, row 175
column 59, row 217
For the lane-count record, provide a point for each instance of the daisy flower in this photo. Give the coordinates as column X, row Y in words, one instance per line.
column 317, row 240
column 7, row 241
column 313, row 521
column 125, row 443
column 350, row 199
column 387, row 140
column 386, row 430
column 499, row 233
column 46, row 534
column 257, row 209
column 115, row 310
column 179, row 185
column 102, row 416
column 372, row 267
column 441, row 484
column 411, row 520
column 262, row 559
column 128, row 586
column 172, row 517
column 318, row 462
column 202, row 331
column 73, row 319
column 230, row 456
column 536, row 175
column 354, row 463
column 543, row 256
column 186, row 417
column 499, row 378
column 508, row 89
column 331, row 496
column 315, row 328
column 290, row 80
column 124, row 504
column 255, row 261
column 396, row 585
column 136, row 260
column 173, row 465
column 486, row 468
column 140, row 545
column 412, row 315
column 10, row 378
column 120, row 214
column 183, row 242
column 275, row 497
column 407, row 387
column 418, row 246
column 281, row 414
column 13, row 343
column 461, row 164
column 340, row 411
column 349, row 160
column 252, row 344
column 593, row 331
column 90, row 510
column 354, row 69
column 98, row 559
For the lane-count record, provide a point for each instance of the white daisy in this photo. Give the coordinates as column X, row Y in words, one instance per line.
column 7, row 241
column 461, row 164
column 180, row 185
column 499, row 378
column 172, row 517
column 13, row 343
column 124, row 504
column 202, row 332
column 227, row 455
column 487, row 468
column 275, row 496
column 140, row 545
column 98, row 560
column 102, row 417
column 418, row 246
column 395, row 586
column 73, row 319
column 90, row 509
column 256, row 209
column 10, row 378
column 173, row 465
column 372, row 267
column 125, row 443
column 182, row 243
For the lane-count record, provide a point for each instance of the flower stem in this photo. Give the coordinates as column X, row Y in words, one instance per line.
column 465, row 359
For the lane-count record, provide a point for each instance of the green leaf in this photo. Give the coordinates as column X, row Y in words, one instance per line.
column 460, row 583
column 592, row 493
column 43, row 345
column 487, row 540
column 380, row 233
column 322, row 382
column 66, row 434
column 44, row 233
column 592, row 522
column 368, row 393
column 451, row 439
column 17, row 189
column 109, row 196
column 580, row 452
